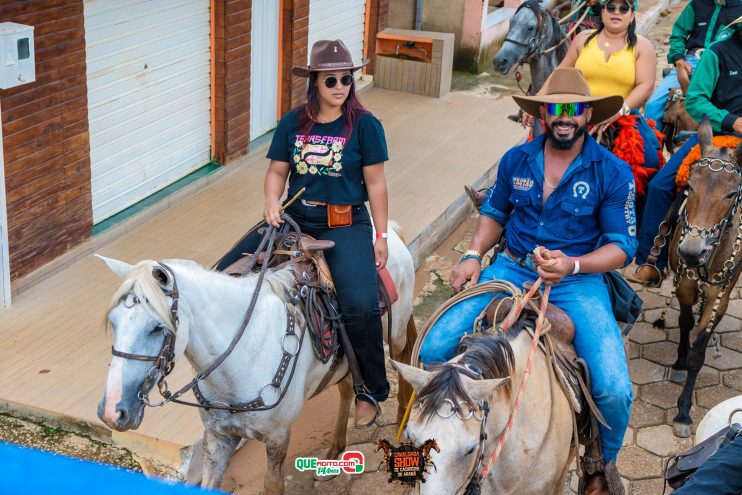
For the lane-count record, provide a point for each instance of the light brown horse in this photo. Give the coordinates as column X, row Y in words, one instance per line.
column 704, row 254
column 466, row 416
column 675, row 119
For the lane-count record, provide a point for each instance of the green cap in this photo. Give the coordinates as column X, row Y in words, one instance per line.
column 634, row 4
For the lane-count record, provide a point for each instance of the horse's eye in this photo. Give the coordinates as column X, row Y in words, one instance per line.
column 155, row 330
column 470, row 451
column 531, row 28
column 730, row 195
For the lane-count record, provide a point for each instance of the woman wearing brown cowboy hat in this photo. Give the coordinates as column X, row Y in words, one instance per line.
column 335, row 149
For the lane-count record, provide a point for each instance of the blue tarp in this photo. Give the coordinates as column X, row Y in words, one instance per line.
column 26, row 471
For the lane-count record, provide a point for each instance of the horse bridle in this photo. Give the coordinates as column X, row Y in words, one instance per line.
column 535, row 40
column 714, row 234
column 165, row 359
column 473, row 481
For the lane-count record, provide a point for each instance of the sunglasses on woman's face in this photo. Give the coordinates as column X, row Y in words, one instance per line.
column 571, row 109
column 332, row 81
column 617, row 8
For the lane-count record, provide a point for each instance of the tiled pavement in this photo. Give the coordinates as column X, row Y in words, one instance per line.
column 649, row 441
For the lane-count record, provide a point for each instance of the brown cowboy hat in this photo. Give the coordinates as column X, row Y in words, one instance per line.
column 567, row 85
column 328, row 55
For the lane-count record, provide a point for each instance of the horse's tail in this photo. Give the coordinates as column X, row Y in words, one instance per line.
column 397, row 229
column 405, row 389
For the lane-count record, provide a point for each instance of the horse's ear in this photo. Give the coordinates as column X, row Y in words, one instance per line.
column 120, row 268
column 483, row 389
column 162, row 276
column 705, row 135
column 414, row 376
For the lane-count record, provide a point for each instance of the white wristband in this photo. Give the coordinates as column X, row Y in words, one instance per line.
column 577, row 266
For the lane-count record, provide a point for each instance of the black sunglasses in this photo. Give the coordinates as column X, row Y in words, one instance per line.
column 613, row 8
column 332, row 81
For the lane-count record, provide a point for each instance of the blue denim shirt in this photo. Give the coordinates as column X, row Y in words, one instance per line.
column 593, row 204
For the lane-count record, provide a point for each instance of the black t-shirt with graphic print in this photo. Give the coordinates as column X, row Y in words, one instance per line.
column 328, row 165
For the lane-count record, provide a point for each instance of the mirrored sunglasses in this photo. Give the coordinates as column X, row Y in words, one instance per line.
column 617, row 8
column 332, row 81
column 571, row 109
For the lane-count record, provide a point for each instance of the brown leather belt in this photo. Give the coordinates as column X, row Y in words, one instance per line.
column 521, row 260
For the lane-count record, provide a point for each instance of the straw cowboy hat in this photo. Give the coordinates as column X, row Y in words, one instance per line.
column 328, row 55
column 567, row 85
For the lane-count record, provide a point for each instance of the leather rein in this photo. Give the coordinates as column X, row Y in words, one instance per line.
column 164, row 362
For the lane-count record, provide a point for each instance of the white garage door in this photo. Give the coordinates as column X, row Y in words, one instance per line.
column 264, row 67
column 148, row 69
column 332, row 20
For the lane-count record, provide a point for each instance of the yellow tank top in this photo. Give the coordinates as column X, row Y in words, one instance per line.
column 615, row 76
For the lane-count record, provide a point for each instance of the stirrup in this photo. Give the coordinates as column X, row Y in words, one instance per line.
column 660, row 276
column 376, row 414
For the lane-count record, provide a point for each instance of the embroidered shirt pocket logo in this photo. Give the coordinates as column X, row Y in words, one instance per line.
column 580, row 189
column 522, row 184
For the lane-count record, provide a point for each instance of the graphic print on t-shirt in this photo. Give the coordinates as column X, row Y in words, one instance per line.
column 320, row 155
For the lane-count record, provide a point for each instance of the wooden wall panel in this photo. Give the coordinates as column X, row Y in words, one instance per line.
column 45, row 138
column 232, row 22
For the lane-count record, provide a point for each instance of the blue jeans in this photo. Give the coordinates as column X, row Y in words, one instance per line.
column 721, row 474
column 597, row 339
column 660, row 195
column 655, row 107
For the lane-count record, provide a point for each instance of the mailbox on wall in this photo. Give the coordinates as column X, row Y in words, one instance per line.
column 17, row 61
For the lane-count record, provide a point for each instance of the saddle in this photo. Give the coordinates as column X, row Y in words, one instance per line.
column 316, row 294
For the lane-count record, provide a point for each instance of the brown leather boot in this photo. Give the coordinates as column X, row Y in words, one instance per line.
column 596, row 484
column 366, row 414
column 646, row 275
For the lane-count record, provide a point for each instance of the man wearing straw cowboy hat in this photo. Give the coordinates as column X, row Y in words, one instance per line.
column 571, row 202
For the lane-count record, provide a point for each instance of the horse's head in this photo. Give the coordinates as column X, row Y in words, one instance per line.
column 714, row 189
column 524, row 36
column 455, row 402
column 141, row 319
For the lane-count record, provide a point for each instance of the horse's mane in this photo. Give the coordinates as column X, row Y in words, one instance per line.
column 489, row 353
column 141, row 283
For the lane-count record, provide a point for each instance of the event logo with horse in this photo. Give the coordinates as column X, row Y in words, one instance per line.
column 407, row 463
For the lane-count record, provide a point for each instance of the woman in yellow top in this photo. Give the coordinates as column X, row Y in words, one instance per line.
column 617, row 61
column 614, row 59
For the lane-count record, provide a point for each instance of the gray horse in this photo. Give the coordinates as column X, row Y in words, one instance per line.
column 533, row 34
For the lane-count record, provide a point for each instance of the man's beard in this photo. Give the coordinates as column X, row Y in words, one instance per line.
column 560, row 143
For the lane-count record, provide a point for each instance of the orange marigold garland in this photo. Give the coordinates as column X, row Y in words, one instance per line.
column 683, row 174
column 629, row 147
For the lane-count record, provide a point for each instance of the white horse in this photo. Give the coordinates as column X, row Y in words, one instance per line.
column 210, row 309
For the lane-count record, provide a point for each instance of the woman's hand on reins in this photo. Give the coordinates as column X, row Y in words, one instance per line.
column 272, row 212
column 467, row 270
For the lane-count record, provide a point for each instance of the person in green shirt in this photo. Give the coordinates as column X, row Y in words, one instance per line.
column 695, row 30
column 715, row 92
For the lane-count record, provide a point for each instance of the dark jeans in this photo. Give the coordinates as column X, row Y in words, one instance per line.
column 353, row 266
column 660, row 195
column 720, row 475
